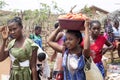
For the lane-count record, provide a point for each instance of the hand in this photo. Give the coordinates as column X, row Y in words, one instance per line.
column 87, row 22
column 4, row 32
column 59, row 28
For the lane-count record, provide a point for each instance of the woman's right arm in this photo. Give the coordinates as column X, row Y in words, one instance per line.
column 4, row 53
column 51, row 40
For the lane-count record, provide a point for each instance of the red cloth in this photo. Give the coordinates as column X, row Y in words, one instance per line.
column 59, row 76
column 96, row 48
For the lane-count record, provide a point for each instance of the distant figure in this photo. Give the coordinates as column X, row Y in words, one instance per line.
column 36, row 37
column 116, row 32
column 108, row 30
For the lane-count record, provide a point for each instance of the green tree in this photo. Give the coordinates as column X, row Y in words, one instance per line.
column 57, row 9
column 41, row 16
column 2, row 4
column 44, row 11
column 86, row 10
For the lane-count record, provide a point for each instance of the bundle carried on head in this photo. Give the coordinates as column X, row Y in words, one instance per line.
column 72, row 21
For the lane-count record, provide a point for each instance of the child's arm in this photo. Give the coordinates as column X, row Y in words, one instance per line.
column 60, row 34
column 86, row 40
column 52, row 43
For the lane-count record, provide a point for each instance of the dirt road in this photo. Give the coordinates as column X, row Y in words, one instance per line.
column 4, row 69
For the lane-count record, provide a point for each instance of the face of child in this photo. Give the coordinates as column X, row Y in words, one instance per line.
column 116, row 24
column 95, row 29
column 38, row 31
column 14, row 29
column 71, row 41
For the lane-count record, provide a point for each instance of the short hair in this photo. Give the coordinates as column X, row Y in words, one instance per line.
column 41, row 56
column 77, row 33
column 17, row 20
column 56, row 24
column 116, row 21
column 37, row 27
column 94, row 21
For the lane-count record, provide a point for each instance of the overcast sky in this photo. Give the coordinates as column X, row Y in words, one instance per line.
column 108, row 5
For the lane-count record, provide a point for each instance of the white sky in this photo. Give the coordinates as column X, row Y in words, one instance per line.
column 108, row 5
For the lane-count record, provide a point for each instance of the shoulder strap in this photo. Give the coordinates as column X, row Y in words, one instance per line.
column 66, row 52
column 87, row 63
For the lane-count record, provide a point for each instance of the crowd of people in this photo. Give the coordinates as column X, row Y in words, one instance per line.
column 29, row 61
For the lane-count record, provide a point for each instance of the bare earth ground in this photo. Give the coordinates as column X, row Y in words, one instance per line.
column 113, row 69
column 4, row 69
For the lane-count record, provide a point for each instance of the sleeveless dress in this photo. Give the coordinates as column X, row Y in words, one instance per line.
column 20, row 58
column 78, row 73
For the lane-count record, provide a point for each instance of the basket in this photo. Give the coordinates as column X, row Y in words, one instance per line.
column 72, row 24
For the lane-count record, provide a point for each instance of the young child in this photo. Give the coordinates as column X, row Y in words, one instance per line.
column 73, row 57
column 58, row 70
column 43, row 68
column 36, row 37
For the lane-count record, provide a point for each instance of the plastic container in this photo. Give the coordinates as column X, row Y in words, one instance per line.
column 72, row 24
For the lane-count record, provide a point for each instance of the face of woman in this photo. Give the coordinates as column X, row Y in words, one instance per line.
column 95, row 29
column 14, row 30
column 71, row 41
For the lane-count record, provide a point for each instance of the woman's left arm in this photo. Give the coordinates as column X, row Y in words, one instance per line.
column 87, row 39
column 33, row 62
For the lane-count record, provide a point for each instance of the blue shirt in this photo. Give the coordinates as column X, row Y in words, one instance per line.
column 78, row 73
column 36, row 39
